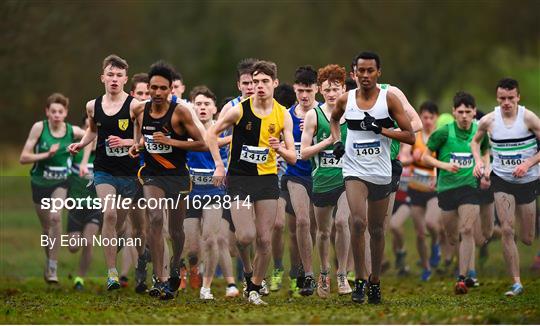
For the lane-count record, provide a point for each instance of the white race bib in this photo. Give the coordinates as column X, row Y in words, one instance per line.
column 422, row 177
column 464, row 160
column 511, row 159
column 55, row 172
column 297, row 149
column 201, row 177
column 254, row 154
column 328, row 160
column 117, row 151
column 156, row 148
column 367, row 148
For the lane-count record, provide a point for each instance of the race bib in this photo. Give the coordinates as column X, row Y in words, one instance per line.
column 423, row 178
column 328, row 160
column 55, row 172
column 254, row 154
column 367, row 148
column 117, row 151
column 297, row 149
column 464, row 160
column 511, row 159
column 201, row 177
column 156, row 148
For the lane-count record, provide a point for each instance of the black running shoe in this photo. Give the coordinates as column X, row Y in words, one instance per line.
column 309, row 286
column 155, row 290
column 167, row 293
column 301, row 277
column 141, row 272
column 174, row 279
column 374, row 293
column 359, row 292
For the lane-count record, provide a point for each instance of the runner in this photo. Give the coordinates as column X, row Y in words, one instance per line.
column 284, row 95
column 112, row 118
column 257, row 125
column 297, row 179
column 165, row 127
column 204, row 205
column 425, row 211
column 328, row 185
column 84, row 222
column 367, row 167
column 513, row 132
column 45, row 148
column 457, row 191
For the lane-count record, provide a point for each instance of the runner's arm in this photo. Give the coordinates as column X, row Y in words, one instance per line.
column 27, row 154
column 288, row 153
column 405, row 134
column 224, row 121
column 335, row 118
column 307, row 150
column 416, row 123
column 479, row 165
column 91, row 131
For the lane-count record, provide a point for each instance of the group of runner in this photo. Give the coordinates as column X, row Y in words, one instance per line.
column 274, row 156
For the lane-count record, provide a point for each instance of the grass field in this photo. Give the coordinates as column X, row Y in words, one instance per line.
column 27, row 299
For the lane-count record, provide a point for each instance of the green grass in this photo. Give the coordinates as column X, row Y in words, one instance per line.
column 27, row 299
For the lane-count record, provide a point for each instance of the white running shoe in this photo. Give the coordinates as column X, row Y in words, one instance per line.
column 232, row 292
column 255, row 298
column 50, row 274
column 516, row 289
column 343, row 284
column 206, row 294
column 264, row 291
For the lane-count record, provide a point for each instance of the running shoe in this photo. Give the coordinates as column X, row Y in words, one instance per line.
column 195, row 279
column 309, row 286
column 516, row 289
column 255, row 298
column 294, row 290
column 50, row 275
column 141, row 271
column 113, row 283
column 155, row 290
column 323, row 286
column 183, row 277
column 206, row 294
column 460, row 287
column 276, row 280
column 359, row 292
column 232, row 291
column 78, row 283
column 166, row 292
column 343, row 284
column 472, row 281
column 374, row 293
column 174, row 279
column 264, row 288
column 426, row 275
column 435, row 257
column 124, row 281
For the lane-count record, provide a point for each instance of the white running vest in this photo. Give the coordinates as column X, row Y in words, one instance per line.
column 367, row 154
column 511, row 146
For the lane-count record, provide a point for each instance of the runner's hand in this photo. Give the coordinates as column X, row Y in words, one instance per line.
column 74, row 148
column 134, row 151
column 160, row 138
column 339, row 150
column 371, row 124
column 218, row 179
column 53, row 149
column 451, row 167
column 521, row 170
column 115, row 141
